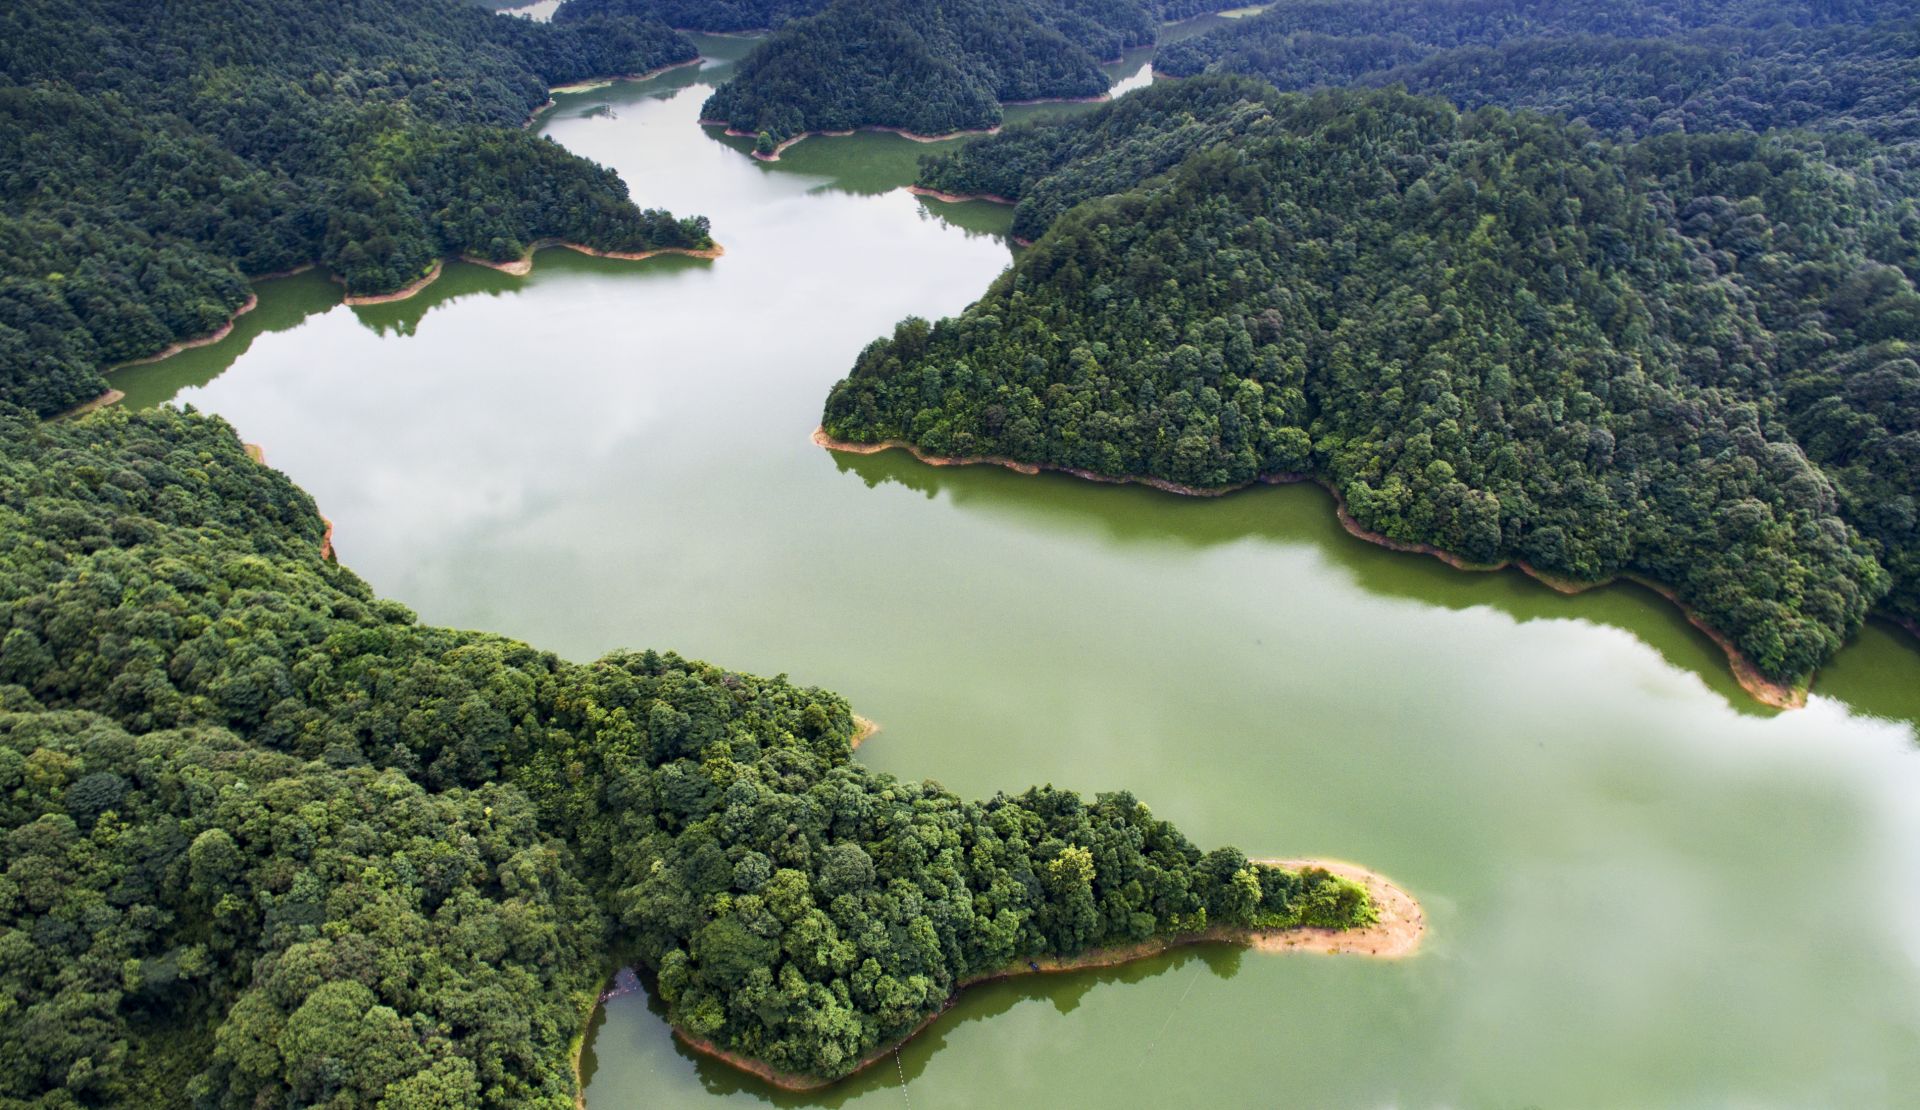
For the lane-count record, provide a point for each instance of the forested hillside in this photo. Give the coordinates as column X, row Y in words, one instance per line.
column 265, row 840
column 1490, row 333
column 712, row 16
column 150, row 155
column 930, row 66
column 1639, row 68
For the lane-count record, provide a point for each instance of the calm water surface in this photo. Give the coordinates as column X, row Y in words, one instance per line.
column 1644, row 889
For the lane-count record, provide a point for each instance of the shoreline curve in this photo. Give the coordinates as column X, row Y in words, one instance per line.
column 731, row 132
column 1778, row 695
column 959, row 198
column 259, row 456
column 523, row 266
column 113, row 396
column 1396, row 936
column 588, row 84
column 214, row 336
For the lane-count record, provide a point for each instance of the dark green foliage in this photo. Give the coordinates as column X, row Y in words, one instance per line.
column 265, row 840
column 152, row 154
column 1490, row 333
column 1108, row 151
column 1641, row 67
column 693, row 15
column 1834, row 79
column 315, row 934
column 1859, row 416
column 928, row 66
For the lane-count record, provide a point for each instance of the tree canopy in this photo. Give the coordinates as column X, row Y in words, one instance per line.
column 1491, row 333
column 692, row 15
column 267, row 840
column 155, row 154
column 930, row 66
column 1639, row 68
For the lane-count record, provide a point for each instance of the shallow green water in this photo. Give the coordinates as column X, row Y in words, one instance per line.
column 1644, row 889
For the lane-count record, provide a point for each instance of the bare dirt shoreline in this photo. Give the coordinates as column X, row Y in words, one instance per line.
column 592, row 83
column 114, row 396
column 863, row 731
column 1779, row 695
column 214, row 336
column 1397, row 935
column 259, row 455
column 401, row 294
column 110, row 397
column 523, row 265
column 900, row 131
column 958, row 198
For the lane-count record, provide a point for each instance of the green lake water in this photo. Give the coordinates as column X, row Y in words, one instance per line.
column 1644, row 889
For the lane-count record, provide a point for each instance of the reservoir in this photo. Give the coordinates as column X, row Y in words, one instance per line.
column 1643, row 887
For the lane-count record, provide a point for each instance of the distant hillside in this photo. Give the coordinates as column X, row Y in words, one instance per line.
column 929, row 66
column 1645, row 67
column 693, row 15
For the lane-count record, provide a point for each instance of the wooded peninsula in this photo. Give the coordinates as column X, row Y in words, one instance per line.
column 1685, row 358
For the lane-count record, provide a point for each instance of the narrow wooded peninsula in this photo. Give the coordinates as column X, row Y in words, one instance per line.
column 159, row 156
column 273, row 841
column 1493, row 335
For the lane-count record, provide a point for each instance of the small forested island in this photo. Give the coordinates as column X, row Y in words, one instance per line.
column 928, row 67
column 158, row 156
column 1687, row 360
column 268, row 840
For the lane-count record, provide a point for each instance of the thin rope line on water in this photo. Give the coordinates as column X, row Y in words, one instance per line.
column 904, row 1096
column 1175, row 1008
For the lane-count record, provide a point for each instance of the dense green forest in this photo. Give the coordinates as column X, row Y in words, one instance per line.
column 693, row 15
column 1491, row 333
column 1636, row 68
column 266, row 840
column 930, row 66
column 150, row 155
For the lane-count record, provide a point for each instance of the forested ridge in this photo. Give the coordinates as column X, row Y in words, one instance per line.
column 1490, row 333
column 1632, row 68
column 930, row 66
column 267, row 840
column 713, row 16
column 152, row 155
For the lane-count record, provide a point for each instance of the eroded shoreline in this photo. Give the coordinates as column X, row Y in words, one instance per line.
column 591, row 83
column 522, row 266
column 1779, row 695
column 731, row 132
column 214, row 336
column 1396, row 935
column 259, row 456
column 113, row 396
column 958, row 198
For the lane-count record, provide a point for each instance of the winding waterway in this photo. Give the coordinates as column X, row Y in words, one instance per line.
column 1643, row 888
